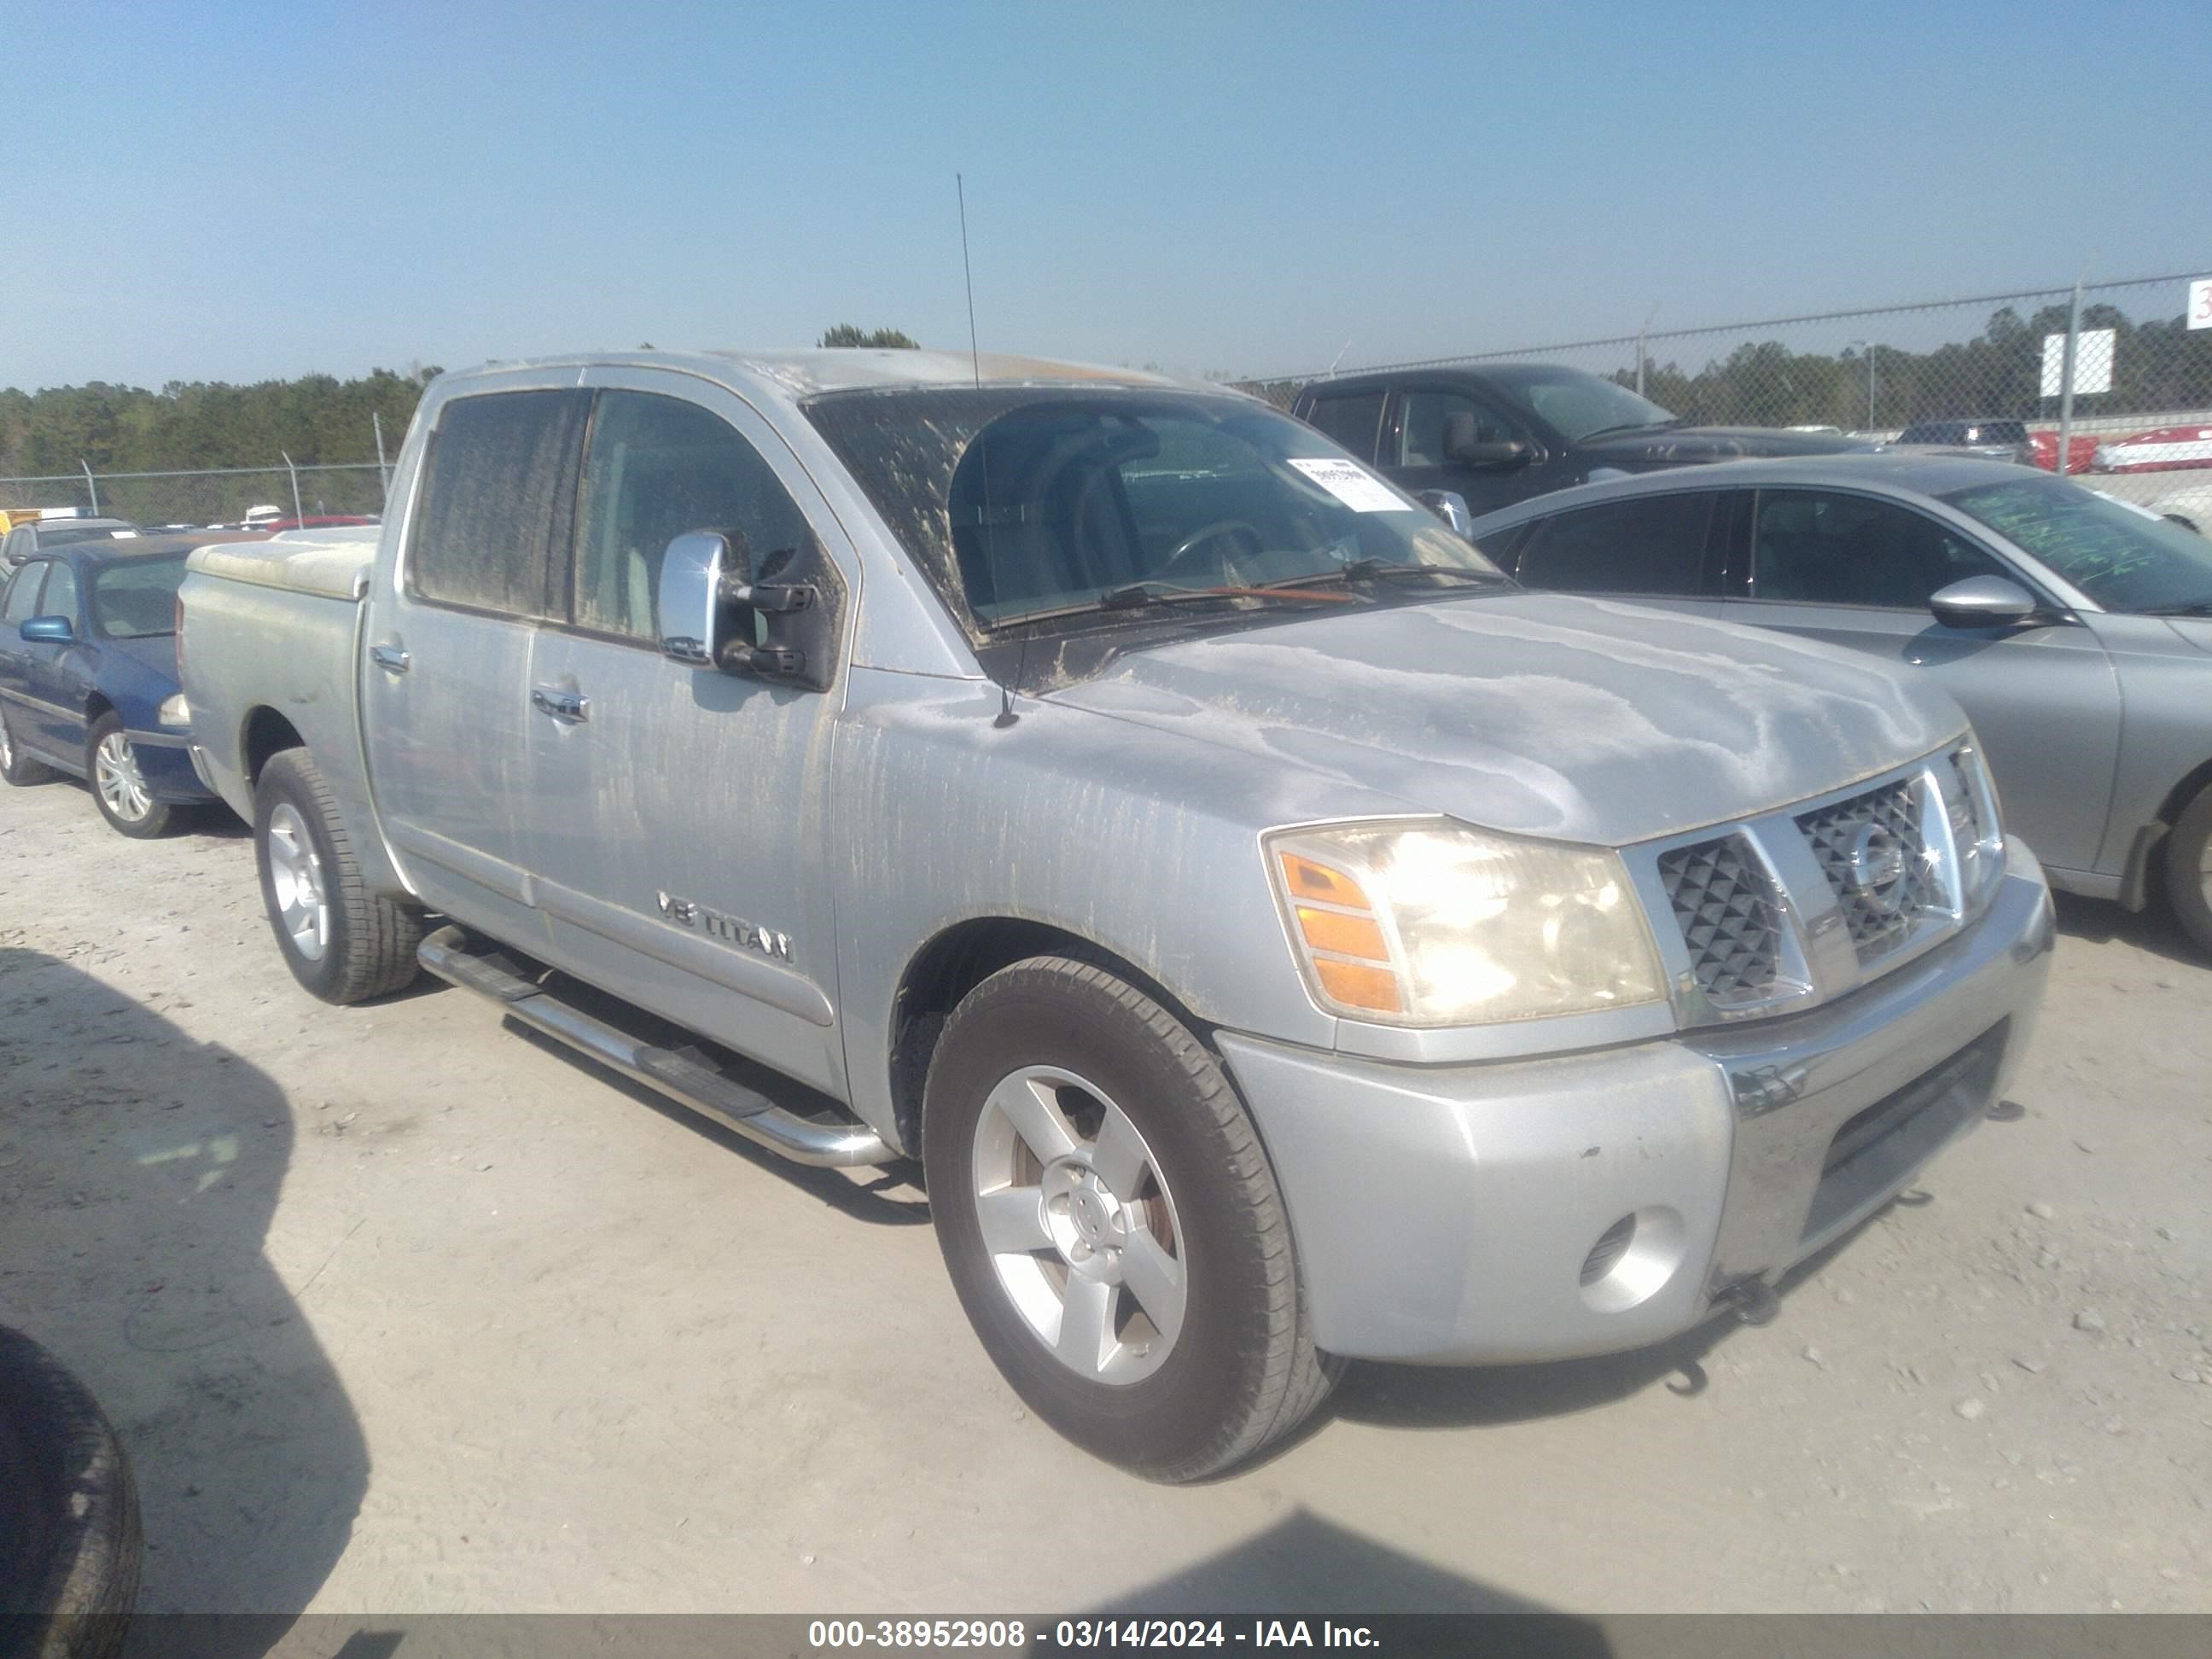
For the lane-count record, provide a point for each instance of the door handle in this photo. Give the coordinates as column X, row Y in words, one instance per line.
column 390, row 657
column 572, row 707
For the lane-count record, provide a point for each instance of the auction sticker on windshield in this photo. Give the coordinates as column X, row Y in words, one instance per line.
column 1356, row 489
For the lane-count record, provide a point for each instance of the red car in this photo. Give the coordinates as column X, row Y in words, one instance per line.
column 2162, row 449
column 2080, row 451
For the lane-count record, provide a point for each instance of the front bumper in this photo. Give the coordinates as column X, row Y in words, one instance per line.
column 1448, row 1214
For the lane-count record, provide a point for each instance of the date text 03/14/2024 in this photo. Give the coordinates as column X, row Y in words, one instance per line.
column 1086, row 1633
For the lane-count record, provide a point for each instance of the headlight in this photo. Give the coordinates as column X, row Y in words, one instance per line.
column 1970, row 801
column 1437, row 925
column 176, row 712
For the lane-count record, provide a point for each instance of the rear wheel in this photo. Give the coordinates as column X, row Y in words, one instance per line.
column 119, row 786
column 16, row 767
column 342, row 942
column 2188, row 869
column 1112, row 1225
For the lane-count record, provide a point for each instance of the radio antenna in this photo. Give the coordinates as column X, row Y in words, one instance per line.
column 1007, row 716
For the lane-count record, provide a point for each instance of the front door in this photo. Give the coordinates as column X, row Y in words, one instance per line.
column 445, row 671
column 678, row 841
column 1413, row 450
column 1857, row 570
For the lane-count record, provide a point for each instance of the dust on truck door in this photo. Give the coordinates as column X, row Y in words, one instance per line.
column 445, row 664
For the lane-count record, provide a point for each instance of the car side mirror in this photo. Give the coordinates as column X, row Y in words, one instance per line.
column 711, row 613
column 1463, row 448
column 50, row 630
column 1982, row 601
column 1451, row 506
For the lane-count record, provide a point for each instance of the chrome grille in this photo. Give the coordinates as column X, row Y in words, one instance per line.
column 1854, row 839
column 1725, row 906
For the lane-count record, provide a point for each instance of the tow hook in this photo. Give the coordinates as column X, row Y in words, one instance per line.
column 1753, row 1301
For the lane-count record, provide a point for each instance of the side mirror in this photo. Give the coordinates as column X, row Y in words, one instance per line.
column 50, row 630
column 1982, row 601
column 1463, row 448
column 711, row 611
column 1451, row 506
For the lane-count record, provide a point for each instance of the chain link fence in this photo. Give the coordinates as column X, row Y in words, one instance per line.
column 220, row 496
column 2127, row 350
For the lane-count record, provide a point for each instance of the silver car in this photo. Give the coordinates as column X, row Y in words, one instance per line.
column 2072, row 626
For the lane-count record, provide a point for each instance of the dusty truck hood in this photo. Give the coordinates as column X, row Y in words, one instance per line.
column 1683, row 446
column 1538, row 713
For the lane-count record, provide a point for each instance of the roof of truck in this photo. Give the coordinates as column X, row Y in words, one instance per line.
column 804, row 373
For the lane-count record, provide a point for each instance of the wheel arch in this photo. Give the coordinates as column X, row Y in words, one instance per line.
column 264, row 733
column 957, row 960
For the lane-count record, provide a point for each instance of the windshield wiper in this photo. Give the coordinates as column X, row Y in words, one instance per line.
column 1142, row 596
column 1630, row 426
column 1370, row 570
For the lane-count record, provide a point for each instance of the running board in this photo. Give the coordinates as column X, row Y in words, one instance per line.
column 682, row 1077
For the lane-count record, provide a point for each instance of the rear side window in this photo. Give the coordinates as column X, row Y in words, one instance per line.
column 493, row 526
column 1352, row 420
column 22, row 602
column 1653, row 544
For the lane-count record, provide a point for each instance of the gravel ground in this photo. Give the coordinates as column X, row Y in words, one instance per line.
column 399, row 1312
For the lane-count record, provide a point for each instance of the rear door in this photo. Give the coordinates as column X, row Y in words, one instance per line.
column 1663, row 549
column 445, row 677
column 1857, row 570
column 677, row 841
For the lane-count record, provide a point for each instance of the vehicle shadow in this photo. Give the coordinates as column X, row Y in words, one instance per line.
column 138, row 1172
column 2153, row 930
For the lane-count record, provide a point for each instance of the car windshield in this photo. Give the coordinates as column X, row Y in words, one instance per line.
column 1024, row 502
column 137, row 599
column 2124, row 557
column 1575, row 404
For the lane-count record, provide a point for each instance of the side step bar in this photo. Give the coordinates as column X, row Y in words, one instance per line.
column 679, row 1076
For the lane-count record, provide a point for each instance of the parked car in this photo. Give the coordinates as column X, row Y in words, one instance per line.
column 26, row 540
column 1279, row 937
column 2161, row 449
column 2081, row 450
column 88, row 677
column 2074, row 629
column 1502, row 432
column 2190, row 506
column 1994, row 439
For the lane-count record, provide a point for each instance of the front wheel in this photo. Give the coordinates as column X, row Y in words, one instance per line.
column 342, row 942
column 1112, row 1226
column 2188, row 869
column 119, row 786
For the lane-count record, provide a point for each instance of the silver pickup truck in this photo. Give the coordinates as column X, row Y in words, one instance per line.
column 1280, row 938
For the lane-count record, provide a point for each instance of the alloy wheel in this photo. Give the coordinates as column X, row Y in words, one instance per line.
column 120, row 783
column 295, row 874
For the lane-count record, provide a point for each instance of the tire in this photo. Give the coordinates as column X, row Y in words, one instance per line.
column 69, row 1539
column 118, row 788
column 1201, row 1355
column 16, row 767
column 342, row 943
column 2189, row 870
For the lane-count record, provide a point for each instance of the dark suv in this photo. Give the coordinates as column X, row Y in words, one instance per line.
column 1500, row 433
column 1999, row 440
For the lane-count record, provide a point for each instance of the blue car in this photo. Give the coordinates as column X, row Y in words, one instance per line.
column 88, row 677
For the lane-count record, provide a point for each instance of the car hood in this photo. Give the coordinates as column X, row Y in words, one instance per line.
column 1538, row 714
column 1681, row 445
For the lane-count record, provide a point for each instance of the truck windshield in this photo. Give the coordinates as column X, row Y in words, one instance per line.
column 136, row 600
column 1576, row 405
column 1020, row 501
column 2125, row 557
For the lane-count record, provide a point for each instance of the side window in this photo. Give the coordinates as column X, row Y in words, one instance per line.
column 60, row 598
column 22, row 602
column 1354, row 420
column 499, row 486
column 1821, row 547
column 1653, row 544
column 1423, row 425
column 656, row 468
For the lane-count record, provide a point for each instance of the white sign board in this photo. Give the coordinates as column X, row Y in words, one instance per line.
column 2200, row 303
column 1358, row 489
column 2093, row 362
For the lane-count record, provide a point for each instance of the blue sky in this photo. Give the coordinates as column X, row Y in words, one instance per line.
column 242, row 189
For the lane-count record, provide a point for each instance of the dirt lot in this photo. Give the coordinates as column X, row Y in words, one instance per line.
column 399, row 1311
